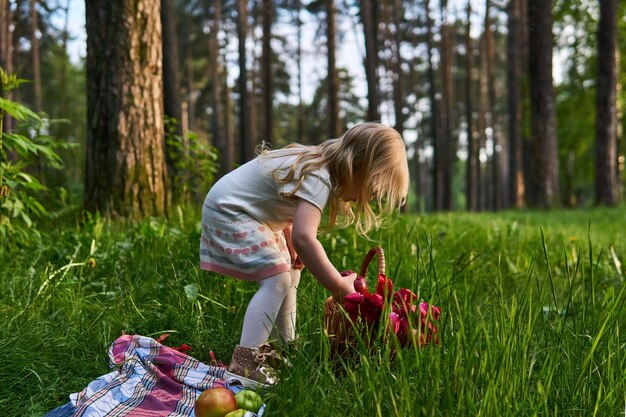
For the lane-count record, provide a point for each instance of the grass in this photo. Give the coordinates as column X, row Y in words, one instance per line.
column 533, row 307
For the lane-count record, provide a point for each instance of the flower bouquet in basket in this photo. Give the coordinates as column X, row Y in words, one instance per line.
column 363, row 313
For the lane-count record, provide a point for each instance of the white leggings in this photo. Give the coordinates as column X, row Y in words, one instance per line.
column 272, row 310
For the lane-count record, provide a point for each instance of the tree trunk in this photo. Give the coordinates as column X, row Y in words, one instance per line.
column 190, row 87
column 63, row 69
column 300, row 109
column 545, row 190
column 171, row 92
column 447, row 148
column 4, row 32
column 126, row 173
column 229, row 123
column 334, row 125
column 217, row 116
column 483, row 105
column 6, row 53
column 514, row 74
column 473, row 161
column 606, row 111
column 246, row 150
column 268, row 90
column 619, row 166
column 398, row 100
column 34, row 46
column 369, row 19
column 434, row 111
column 499, row 191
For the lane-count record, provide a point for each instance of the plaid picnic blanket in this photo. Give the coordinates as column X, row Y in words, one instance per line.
column 148, row 379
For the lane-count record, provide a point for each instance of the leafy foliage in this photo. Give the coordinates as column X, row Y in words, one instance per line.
column 22, row 152
column 195, row 163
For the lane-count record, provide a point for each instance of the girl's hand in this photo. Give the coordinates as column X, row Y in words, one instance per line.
column 297, row 264
column 346, row 287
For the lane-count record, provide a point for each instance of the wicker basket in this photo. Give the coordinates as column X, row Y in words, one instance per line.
column 341, row 332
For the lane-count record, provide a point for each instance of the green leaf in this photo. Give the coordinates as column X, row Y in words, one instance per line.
column 17, row 111
column 26, row 219
column 191, row 291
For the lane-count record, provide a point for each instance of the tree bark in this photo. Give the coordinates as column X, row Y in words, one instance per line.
column 398, row 99
column 171, row 83
column 126, row 173
column 446, row 142
column 300, row 109
column 369, row 19
column 34, row 45
column 514, row 74
column 246, row 150
column 606, row 111
column 229, row 122
column 473, row 161
column 4, row 32
column 334, row 125
column 498, row 171
column 217, row 116
column 268, row 90
column 545, row 186
column 434, row 111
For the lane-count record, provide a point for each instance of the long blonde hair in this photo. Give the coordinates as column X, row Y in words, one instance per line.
column 372, row 152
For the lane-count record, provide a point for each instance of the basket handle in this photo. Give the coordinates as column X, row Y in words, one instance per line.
column 380, row 256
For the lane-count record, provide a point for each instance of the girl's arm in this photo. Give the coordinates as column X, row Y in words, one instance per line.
column 304, row 238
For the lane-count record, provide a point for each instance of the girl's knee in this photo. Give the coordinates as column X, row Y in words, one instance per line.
column 279, row 283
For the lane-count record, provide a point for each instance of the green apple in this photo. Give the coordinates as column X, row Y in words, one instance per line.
column 249, row 400
column 237, row 413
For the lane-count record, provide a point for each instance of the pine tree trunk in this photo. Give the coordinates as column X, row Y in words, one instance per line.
column 229, row 124
column 447, row 148
column 369, row 19
column 545, row 190
column 217, row 116
column 126, row 173
column 4, row 32
column 514, row 63
column 34, row 45
column 398, row 101
column 171, row 93
column 300, row 109
column 334, row 125
column 471, row 177
column 246, row 150
column 606, row 112
column 434, row 112
column 267, row 88
column 498, row 171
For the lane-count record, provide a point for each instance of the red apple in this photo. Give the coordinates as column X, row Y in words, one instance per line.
column 215, row 402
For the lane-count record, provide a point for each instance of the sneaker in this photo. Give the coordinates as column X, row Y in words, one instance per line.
column 276, row 355
column 255, row 364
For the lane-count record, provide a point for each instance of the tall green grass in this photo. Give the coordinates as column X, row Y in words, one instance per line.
column 533, row 306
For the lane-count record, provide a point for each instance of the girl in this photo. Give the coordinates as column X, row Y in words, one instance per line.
column 260, row 223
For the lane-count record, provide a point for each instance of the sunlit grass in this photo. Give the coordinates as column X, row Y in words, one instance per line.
column 532, row 304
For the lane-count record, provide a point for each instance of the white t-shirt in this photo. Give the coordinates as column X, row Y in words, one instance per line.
column 251, row 189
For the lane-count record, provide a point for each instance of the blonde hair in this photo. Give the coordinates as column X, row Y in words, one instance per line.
column 370, row 152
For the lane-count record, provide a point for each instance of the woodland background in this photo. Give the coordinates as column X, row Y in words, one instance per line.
column 172, row 94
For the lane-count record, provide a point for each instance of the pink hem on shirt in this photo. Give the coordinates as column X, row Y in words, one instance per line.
column 263, row 273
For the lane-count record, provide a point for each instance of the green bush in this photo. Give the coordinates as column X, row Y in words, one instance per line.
column 23, row 152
